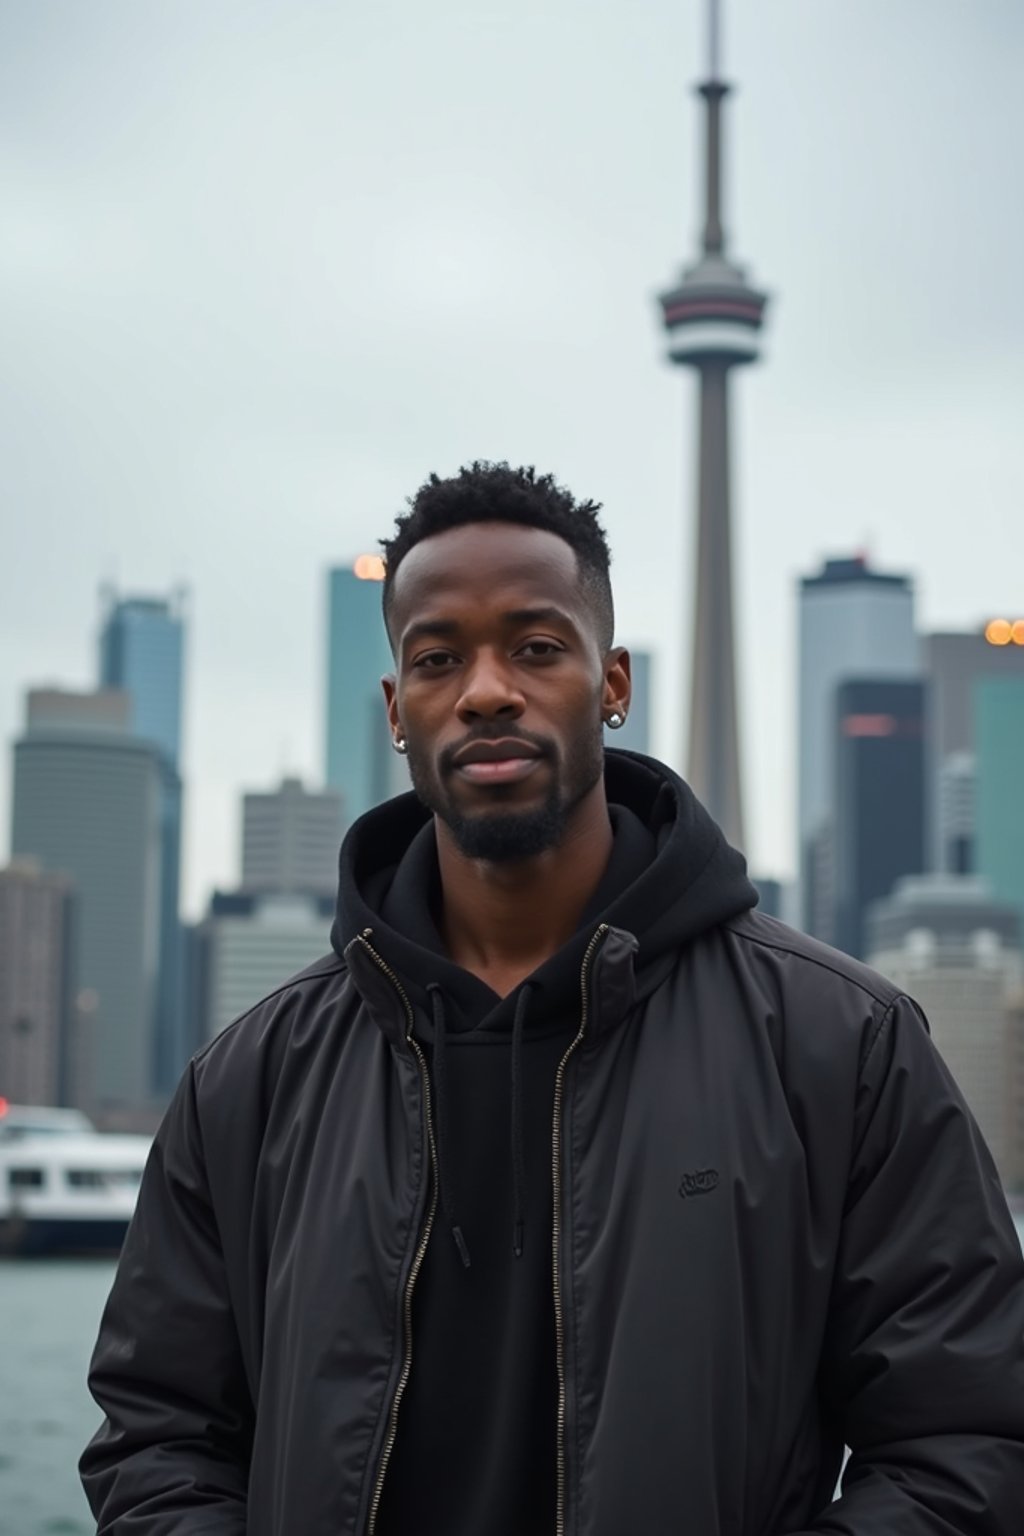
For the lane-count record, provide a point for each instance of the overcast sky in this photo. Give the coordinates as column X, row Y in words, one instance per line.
column 264, row 264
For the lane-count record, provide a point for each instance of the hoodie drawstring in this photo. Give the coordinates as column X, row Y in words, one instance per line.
column 518, row 1154
column 441, row 1097
column 518, row 1134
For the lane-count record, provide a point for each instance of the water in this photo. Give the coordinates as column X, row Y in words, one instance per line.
column 49, row 1314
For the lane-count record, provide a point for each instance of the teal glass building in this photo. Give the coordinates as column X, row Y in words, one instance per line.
column 142, row 652
column 359, row 762
column 999, row 805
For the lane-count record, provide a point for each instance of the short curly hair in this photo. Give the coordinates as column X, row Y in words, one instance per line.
column 483, row 492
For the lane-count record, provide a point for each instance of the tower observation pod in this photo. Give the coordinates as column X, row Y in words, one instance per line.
column 712, row 320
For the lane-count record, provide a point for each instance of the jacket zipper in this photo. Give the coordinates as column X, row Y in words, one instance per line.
column 556, row 1219
column 421, row 1247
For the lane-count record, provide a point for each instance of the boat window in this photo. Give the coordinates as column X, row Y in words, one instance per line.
column 124, row 1178
column 25, row 1178
column 86, row 1178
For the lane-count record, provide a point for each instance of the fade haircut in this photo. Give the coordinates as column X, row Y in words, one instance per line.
column 482, row 492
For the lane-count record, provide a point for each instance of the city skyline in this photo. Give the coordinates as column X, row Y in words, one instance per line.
column 301, row 364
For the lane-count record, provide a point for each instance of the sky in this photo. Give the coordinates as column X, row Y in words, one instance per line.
column 265, row 265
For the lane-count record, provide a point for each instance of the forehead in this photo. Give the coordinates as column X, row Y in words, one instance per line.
column 490, row 565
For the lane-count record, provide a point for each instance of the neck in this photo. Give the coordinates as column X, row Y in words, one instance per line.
column 501, row 921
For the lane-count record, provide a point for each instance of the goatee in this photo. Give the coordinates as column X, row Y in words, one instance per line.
column 504, row 835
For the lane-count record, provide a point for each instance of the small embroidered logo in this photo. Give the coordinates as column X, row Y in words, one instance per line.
column 700, row 1182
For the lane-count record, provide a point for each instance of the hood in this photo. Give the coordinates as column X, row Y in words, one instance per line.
column 677, row 877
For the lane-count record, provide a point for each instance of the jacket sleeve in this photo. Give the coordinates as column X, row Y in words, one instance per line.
column 923, row 1365
column 172, row 1457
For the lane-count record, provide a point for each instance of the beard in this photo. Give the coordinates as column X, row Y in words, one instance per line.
column 505, row 834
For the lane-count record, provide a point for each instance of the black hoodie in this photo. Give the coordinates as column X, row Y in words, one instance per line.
column 475, row 1448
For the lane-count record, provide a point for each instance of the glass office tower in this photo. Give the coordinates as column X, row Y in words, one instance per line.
column 142, row 648
column 357, row 740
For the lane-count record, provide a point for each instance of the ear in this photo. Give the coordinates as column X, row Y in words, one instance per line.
column 617, row 689
column 389, row 684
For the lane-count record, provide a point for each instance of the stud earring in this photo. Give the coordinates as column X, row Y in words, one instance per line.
column 400, row 745
column 615, row 720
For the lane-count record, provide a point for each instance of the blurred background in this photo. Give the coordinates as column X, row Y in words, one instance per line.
column 263, row 268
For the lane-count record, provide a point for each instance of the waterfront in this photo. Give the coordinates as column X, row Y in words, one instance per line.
column 49, row 1313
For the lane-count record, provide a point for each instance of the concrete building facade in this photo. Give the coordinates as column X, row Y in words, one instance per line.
column 36, row 985
column 290, row 840
column 254, row 943
column 87, row 804
column 956, row 950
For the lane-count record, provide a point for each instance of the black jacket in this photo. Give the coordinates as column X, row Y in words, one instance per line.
column 777, row 1230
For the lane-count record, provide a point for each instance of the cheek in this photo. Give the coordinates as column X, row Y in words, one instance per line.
column 584, row 699
column 426, row 714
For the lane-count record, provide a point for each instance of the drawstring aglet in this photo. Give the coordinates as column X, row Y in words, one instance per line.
column 517, row 1239
column 460, row 1243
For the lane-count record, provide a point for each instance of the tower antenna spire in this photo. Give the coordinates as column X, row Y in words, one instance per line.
column 714, row 41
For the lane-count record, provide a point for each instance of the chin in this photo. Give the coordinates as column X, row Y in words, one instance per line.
column 507, row 837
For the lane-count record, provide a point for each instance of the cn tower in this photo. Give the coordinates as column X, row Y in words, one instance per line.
column 713, row 319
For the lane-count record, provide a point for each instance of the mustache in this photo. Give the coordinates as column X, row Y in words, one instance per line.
column 542, row 745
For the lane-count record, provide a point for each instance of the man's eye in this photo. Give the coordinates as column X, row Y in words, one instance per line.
column 540, row 649
column 434, row 661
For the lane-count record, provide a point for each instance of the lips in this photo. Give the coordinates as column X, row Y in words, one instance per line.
column 495, row 751
column 497, row 762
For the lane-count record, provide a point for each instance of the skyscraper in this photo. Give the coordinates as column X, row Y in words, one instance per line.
column 290, row 840
column 956, row 950
column 879, row 800
column 713, row 317
column 36, row 980
column 854, row 622
column 954, row 663
column 87, row 804
column 357, row 741
column 253, row 943
column 142, row 642
column 953, row 789
column 142, row 647
column 999, row 758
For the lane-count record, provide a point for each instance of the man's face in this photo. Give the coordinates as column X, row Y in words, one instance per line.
column 501, row 686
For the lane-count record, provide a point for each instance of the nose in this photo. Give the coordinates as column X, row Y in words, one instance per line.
column 490, row 690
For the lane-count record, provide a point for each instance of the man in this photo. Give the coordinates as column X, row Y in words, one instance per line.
column 569, row 1194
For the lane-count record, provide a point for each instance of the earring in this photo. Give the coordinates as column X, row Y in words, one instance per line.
column 400, row 745
column 615, row 720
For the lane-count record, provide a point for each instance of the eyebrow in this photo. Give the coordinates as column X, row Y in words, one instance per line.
column 448, row 628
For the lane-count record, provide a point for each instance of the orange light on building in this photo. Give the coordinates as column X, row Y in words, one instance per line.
column 999, row 632
column 870, row 725
column 1017, row 634
column 369, row 568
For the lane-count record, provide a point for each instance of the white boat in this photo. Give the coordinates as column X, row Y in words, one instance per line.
column 65, row 1188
